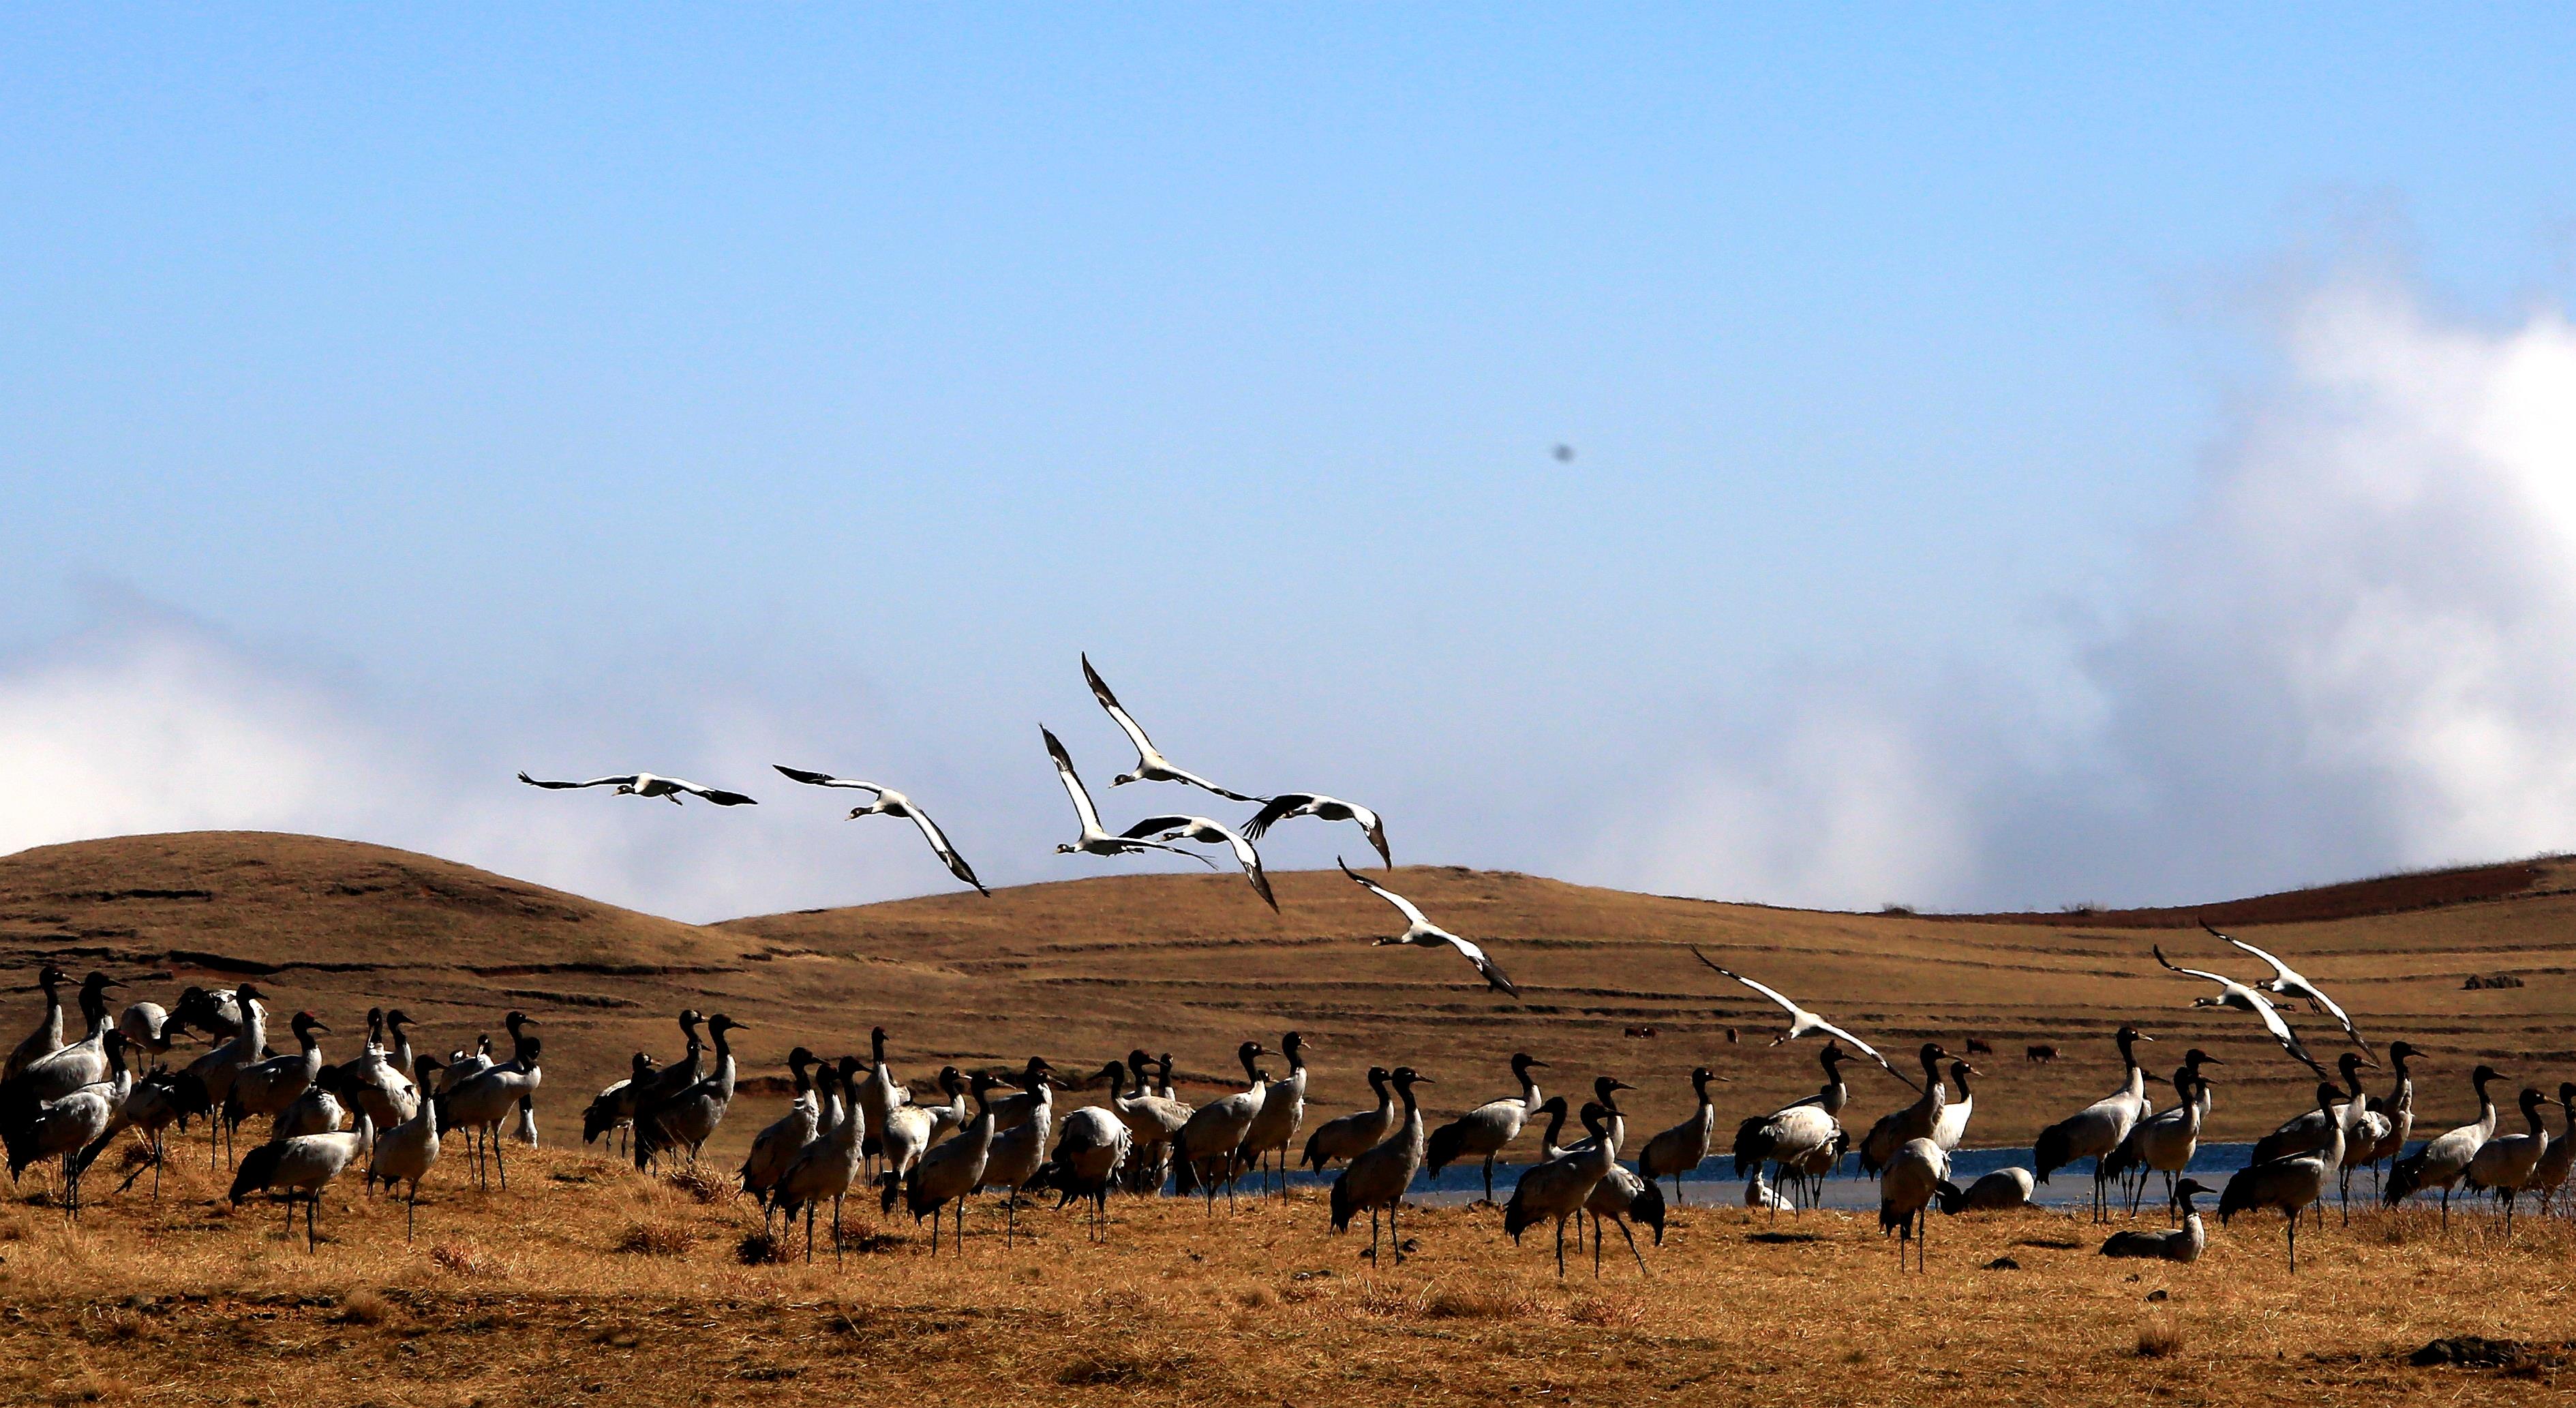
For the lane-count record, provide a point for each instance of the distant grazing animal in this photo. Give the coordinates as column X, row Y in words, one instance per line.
column 1979, row 1046
column 2039, row 1054
column 1640, row 1033
column 1731, row 1037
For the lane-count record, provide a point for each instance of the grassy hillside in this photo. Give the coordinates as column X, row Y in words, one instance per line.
column 1082, row 970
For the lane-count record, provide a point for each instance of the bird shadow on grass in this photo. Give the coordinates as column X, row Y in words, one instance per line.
column 2059, row 1244
column 1776, row 1239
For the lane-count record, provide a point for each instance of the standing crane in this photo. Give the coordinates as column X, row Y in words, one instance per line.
column 1918, row 1173
column 948, row 1172
column 1919, row 1120
column 2288, row 1185
column 827, row 1164
column 2445, row 1158
column 1561, row 1187
column 1794, row 1136
column 1682, row 1148
column 2096, row 1130
column 1283, row 1110
column 1205, row 1152
column 1346, row 1136
column 2505, row 1163
column 1486, row 1130
column 1379, row 1177
column 405, row 1152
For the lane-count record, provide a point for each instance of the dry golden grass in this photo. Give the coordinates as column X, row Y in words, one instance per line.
column 525, row 1297
column 1083, row 970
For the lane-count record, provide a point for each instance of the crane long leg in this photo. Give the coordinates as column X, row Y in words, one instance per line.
column 1560, row 1249
column 836, row 1229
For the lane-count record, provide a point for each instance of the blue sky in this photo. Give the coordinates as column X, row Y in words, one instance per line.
column 613, row 388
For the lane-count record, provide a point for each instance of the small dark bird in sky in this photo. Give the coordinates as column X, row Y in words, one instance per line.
column 1564, row 454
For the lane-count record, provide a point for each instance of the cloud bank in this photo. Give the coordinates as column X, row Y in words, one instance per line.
column 2357, row 651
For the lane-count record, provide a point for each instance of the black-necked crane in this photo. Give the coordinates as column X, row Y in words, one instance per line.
column 1208, row 831
column 1288, row 805
column 2398, row 1109
column 1917, row 1174
column 301, row 1168
column 645, row 784
column 2549, row 1176
column 1951, row 1129
column 2163, row 1142
column 2289, row 982
column 2232, row 993
column 405, row 1152
column 152, row 1104
column 1204, row 1152
column 2289, row 1186
column 1621, row 1195
column 688, row 1118
column 1344, row 1136
column 1151, row 766
column 1094, row 839
column 147, row 1026
column 1379, row 1177
column 880, row 1096
column 379, row 1078
column 61, row 1128
column 1999, row 1191
column 2096, row 1130
column 1681, row 1149
column 67, row 1068
column 1019, row 1147
column 949, row 1172
column 613, row 1108
column 1089, row 1150
column 485, row 1099
column 1759, row 1194
column 828, row 1164
column 777, row 1145
column 2445, row 1158
column 1282, row 1114
column 1152, row 1121
column 1792, row 1137
column 316, row 1111
column 47, row 1038
column 1803, row 1023
column 1420, row 932
column 909, row 1131
column 215, row 1071
column 2504, row 1164
column 889, row 802
column 1485, row 1131
column 269, row 1087
column 2179, row 1243
column 1918, row 1120
column 2364, row 1130
column 1561, row 1187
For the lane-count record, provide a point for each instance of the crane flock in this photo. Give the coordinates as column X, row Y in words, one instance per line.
column 389, row 1114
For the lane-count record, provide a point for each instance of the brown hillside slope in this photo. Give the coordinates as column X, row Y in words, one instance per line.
column 1085, row 969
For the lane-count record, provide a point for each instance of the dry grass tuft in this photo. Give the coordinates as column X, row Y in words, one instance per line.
column 2159, row 1336
column 760, row 1249
column 364, row 1306
column 700, row 1186
column 654, row 1239
column 462, row 1259
column 1606, row 1312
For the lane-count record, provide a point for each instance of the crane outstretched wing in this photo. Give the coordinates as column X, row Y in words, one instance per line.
column 624, row 779
column 1403, row 906
column 939, row 846
column 1485, row 965
column 1072, row 783
column 825, row 779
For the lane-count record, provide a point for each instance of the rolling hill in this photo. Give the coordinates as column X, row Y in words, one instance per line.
column 1082, row 970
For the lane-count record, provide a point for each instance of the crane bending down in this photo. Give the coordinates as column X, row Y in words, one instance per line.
column 1805, row 1023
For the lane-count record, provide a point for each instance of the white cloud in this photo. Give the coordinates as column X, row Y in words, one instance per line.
column 2356, row 651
